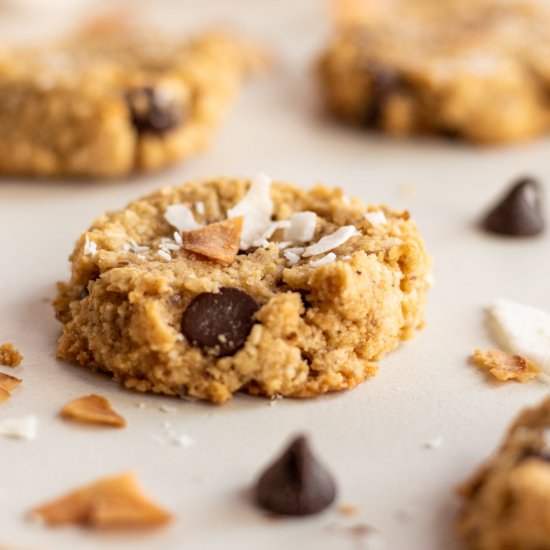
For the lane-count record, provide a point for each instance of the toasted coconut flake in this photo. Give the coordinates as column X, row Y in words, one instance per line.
column 114, row 502
column 506, row 366
column 93, row 409
column 9, row 355
column 257, row 208
column 8, row 383
column 4, row 395
column 218, row 241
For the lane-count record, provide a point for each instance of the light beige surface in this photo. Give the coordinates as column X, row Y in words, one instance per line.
column 372, row 437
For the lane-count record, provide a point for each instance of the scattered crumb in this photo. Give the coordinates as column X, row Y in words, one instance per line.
column 348, row 510
column 434, row 443
column 218, row 241
column 366, row 536
column 9, row 355
column 505, row 366
column 93, row 409
column 24, row 427
column 168, row 409
column 408, row 190
column 7, row 385
column 141, row 405
column 183, row 440
column 403, row 516
column 115, row 502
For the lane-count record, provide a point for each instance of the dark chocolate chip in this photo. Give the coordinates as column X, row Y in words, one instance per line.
column 84, row 293
column 152, row 112
column 519, row 213
column 384, row 83
column 220, row 321
column 296, row 484
column 537, row 454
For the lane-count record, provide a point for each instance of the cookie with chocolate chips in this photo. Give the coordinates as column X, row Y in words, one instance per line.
column 506, row 504
column 115, row 101
column 471, row 69
column 231, row 285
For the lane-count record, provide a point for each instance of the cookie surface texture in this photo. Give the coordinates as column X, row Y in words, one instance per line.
column 316, row 293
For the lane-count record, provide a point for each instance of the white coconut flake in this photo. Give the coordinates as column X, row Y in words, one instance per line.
column 257, row 208
column 346, row 200
column 183, row 440
column 346, row 258
column 328, row 259
column 169, row 246
column 268, row 233
column 284, row 244
column 301, row 228
column 177, row 238
column 328, row 242
column 90, row 247
column 376, row 218
column 523, row 330
column 293, row 255
column 434, row 443
column 164, row 255
column 181, row 217
column 24, row 427
column 199, row 207
column 133, row 246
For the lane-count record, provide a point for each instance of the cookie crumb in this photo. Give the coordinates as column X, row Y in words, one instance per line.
column 435, row 443
column 348, row 510
column 93, row 409
column 10, row 356
column 505, row 366
column 114, row 502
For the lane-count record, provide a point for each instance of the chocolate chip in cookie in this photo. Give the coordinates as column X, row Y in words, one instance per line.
column 384, row 83
column 297, row 484
column 519, row 213
column 152, row 111
column 220, row 322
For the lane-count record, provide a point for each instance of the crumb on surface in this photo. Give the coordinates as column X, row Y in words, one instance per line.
column 347, row 509
column 114, row 502
column 7, row 384
column 10, row 356
column 505, row 366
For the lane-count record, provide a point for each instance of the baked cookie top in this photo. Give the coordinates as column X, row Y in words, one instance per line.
column 478, row 69
column 228, row 285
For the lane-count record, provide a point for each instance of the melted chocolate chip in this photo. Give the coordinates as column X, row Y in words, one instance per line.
column 384, row 83
column 220, row 321
column 296, row 484
column 519, row 213
column 84, row 293
column 152, row 112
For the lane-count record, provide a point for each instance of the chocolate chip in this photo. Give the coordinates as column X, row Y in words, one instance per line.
column 219, row 321
column 384, row 83
column 296, row 484
column 153, row 112
column 84, row 293
column 519, row 213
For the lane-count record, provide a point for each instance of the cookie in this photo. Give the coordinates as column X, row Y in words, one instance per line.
column 316, row 288
column 507, row 502
column 107, row 104
column 471, row 69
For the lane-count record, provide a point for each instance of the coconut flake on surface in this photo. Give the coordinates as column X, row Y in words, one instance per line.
column 133, row 246
column 328, row 259
column 24, row 427
column 268, row 233
column 256, row 207
column 376, row 218
column 522, row 330
column 183, row 440
column 90, row 247
column 328, row 242
column 181, row 217
column 163, row 254
column 293, row 255
column 199, row 207
column 434, row 443
column 301, row 227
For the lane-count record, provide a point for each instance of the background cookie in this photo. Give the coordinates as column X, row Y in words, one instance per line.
column 317, row 288
column 476, row 70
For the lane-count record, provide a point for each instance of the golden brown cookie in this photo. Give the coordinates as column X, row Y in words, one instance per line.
column 320, row 287
column 472, row 69
column 507, row 502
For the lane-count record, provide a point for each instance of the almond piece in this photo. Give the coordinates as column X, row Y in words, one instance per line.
column 113, row 502
column 505, row 366
column 93, row 409
column 218, row 241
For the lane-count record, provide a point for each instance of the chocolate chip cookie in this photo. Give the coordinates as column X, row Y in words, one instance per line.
column 106, row 104
column 507, row 502
column 234, row 285
column 471, row 69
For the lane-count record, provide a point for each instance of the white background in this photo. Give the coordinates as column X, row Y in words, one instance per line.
column 372, row 437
